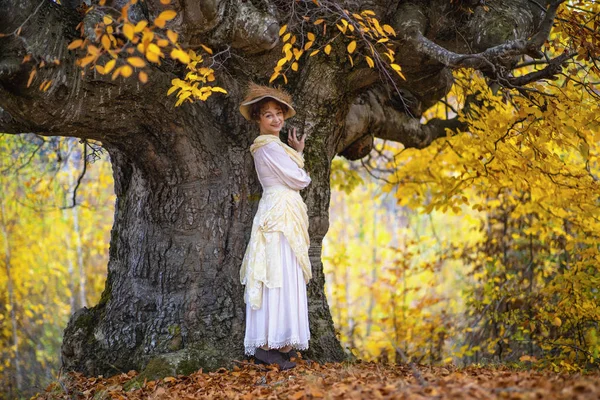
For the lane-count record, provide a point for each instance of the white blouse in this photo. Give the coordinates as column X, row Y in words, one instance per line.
column 274, row 167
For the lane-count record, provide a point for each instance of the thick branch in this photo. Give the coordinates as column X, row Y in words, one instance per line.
column 78, row 103
column 9, row 125
column 488, row 58
column 373, row 115
column 417, row 135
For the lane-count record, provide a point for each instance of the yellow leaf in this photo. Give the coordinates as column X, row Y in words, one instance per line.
column 125, row 10
column 126, row 71
column 311, row 36
column 370, row 61
column 319, row 21
column 116, row 73
column 218, row 89
column 100, row 69
column 167, row 15
column 128, row 31
column 160, row 22
column 282, row 30
column 172, row 36
column 162, row 42
column 295, row 66
column 297, row 53
column 396, row 67
column 285, row 78
column 153, row 57
column 327, row 49
column 313, row 53
column 351, row 46
column 389, row 29
column 31, row 75
column 140, row 26
column 180, row 55
column 281, row 62
column 107, row 20
column 136, row 62
column 307, row 45
column 75, row 44
column 351, row 62
column 93, row 50
column 109, row 66
column 556, row 321
column 286, row 37
column 153, row 48
column 378, row 27
column 172, row 89
column 86, row 60
column 182, row 97
column 105, row 42
column 207, row 49
column 165, row 2
column 274, row 76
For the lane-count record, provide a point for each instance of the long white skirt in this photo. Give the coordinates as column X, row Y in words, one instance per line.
column 282, row 320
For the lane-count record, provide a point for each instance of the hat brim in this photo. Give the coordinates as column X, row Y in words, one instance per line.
column 245, row 107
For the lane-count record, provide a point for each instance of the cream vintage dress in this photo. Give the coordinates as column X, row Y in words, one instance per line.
column 276, row 266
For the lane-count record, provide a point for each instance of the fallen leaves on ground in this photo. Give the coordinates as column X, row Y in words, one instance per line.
column 360, row 380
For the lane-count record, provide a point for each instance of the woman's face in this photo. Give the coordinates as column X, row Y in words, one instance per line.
column 271, row 119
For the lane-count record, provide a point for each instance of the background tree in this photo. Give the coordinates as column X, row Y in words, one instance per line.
column 186, row 191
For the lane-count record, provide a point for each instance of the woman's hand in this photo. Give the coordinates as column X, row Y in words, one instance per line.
column 298, row 145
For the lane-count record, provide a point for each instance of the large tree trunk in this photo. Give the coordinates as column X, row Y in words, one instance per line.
column 184, row 178
column 185, row 201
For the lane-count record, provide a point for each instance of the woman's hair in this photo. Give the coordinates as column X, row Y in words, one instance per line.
column 256, row 107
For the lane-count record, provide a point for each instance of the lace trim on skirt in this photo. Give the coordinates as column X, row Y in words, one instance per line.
column 252, row 345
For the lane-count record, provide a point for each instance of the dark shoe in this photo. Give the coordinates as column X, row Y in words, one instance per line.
column 273, row 356
column 290, row 354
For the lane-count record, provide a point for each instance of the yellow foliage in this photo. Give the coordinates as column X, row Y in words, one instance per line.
column 352, row 26
column 42, row 245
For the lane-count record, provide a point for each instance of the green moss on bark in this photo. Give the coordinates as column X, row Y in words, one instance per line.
column 157, row 368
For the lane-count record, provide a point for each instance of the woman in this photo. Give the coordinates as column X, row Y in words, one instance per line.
column 276, row 266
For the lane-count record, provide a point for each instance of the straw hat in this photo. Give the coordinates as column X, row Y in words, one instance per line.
column 258, row 92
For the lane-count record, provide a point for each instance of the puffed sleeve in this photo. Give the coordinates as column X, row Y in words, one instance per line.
column 274, row 157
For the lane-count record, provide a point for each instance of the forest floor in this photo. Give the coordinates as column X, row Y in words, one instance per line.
column 361, row 380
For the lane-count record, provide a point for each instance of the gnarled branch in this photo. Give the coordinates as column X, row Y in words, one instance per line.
column 490, row 57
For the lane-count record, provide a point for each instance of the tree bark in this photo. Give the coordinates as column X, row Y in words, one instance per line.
column 184, row 178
